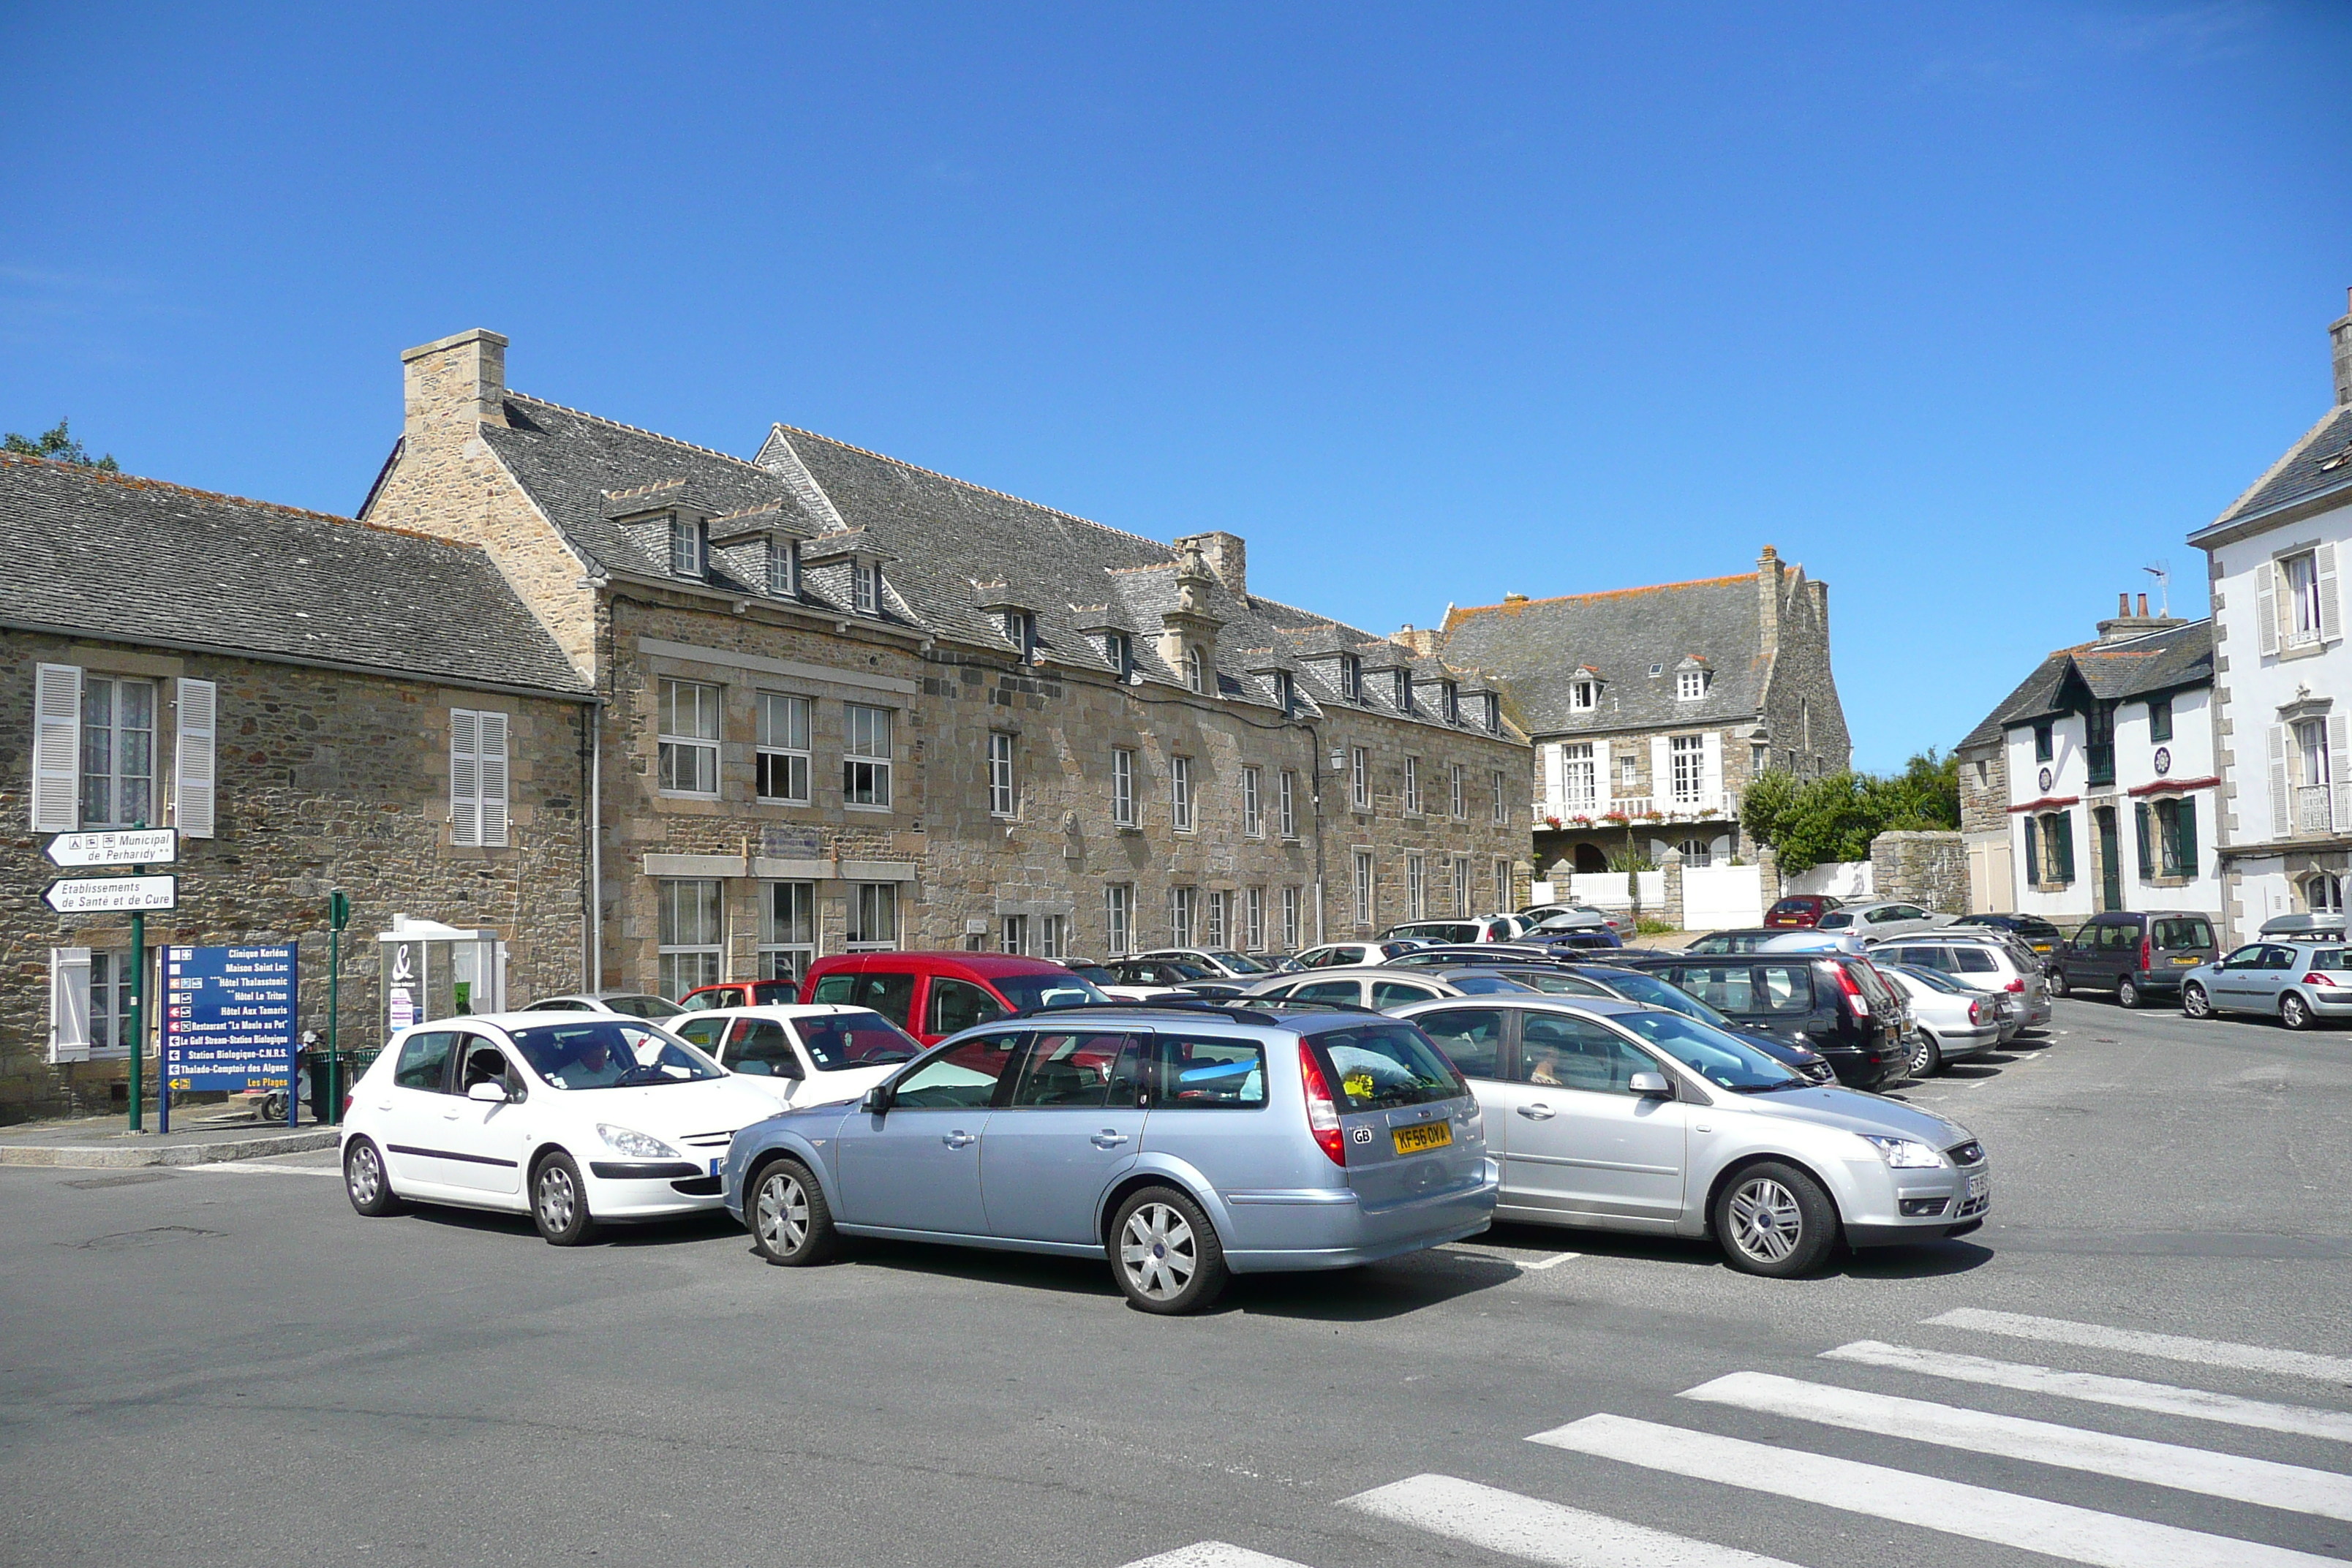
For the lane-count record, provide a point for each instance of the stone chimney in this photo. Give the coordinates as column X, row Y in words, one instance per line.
column 1227, row 557
column 453, row 386
column 2339, row 334
column 1768, row 601
column 2130, row 622
column 1423, row 643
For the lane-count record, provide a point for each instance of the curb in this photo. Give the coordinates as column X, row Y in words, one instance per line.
column 93, row 1157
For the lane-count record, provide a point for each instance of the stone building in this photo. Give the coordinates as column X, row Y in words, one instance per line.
column 314, row 704
column 1650, row 709
column 851, row 703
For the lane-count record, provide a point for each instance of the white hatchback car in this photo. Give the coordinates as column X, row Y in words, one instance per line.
column 572, row 1117
column 812, row 1053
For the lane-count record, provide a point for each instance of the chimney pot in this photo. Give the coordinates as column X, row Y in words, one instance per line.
column 2143, row 606
column 2123, row 602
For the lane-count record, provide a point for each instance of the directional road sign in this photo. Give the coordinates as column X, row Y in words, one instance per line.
column 120, row 847
column 112, row 895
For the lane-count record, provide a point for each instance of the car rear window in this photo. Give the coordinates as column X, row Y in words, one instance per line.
column 1836, row 921
column 1382, row 1066
column 1207, row 1072
column 1975, row 961
column 2327, row 958
column 2182, row 932
column 845, row 1041
column 1784, row 987
column 890, row 994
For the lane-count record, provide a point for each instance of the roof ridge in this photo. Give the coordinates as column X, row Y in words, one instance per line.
column 640, row 430
column 2302, row 443
column 1465, row 610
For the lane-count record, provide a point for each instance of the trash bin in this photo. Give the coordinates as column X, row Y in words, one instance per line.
column 326, row 1109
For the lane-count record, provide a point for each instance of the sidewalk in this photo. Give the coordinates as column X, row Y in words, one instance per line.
column 103, row 1142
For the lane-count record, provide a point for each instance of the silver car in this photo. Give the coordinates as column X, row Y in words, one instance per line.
column 1881, row 917
column 1626, row 1118
column 1949, row 1020
column 1982, row 964
column 1181, row 1142
column 1380, row 988
column 2292, row 981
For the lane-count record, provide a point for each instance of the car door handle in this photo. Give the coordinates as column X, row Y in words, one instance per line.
column 959, row 1139
column 1538, row 1112
column 1109, row 1138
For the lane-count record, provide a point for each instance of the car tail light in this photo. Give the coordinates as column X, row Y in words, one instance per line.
column 347, row 1107
column 1976, row 1012
column 2147, row 959
column 2315, row 978
column 1854, row 994
column 1322, row 1112
column 2016, row 985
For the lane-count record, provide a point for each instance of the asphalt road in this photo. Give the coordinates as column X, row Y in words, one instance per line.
column 229, row 1367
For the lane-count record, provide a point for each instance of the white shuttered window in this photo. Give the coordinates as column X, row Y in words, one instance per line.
column 56, row 748
column 478, row 778
column 192, row 758
column 68, row 1004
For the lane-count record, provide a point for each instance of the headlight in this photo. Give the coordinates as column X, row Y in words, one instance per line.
column 634, row 1144
column 1904, row 1154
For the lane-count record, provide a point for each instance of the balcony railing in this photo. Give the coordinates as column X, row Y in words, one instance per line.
column 1720, row 806
column 2312, row 812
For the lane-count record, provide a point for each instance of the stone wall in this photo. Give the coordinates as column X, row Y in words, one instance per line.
column 1984, row 788
column 1927, row 869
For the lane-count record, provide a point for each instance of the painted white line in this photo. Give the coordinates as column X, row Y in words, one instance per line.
column 240, row 1168
column 1980, row 1513
column 1541, row 1532
column 2263, row 1482
column 2170, row 1347
column 1552, row 1261
column 2129, row 1392
column 1213, row 1555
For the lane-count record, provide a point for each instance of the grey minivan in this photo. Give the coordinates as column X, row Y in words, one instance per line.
column 2133, row 953
column 1182, row 1142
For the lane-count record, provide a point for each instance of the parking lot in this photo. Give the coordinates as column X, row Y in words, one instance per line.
column 230, row 1367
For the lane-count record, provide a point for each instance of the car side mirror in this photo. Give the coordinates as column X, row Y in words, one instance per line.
column 876, row 1101
column 1650, row 1086
column 489, row 1092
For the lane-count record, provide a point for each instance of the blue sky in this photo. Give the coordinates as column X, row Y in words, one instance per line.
column 1975, row 310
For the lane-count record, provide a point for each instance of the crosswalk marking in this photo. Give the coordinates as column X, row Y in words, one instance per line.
column 2170, row 1347
column 2129, row 1392
column 1213, row 1555
column 1540, row 1531
column 2262, row 1481
column 1980, row 1513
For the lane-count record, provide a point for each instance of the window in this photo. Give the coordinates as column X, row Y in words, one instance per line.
column 2045, row 747
column 1687, row 754
column 1213, row 936
column 2167, row 838
column 2050, row 849
column 1502, row 799
column 1351, row 677
column 1412, row 786
column 1404, row 690
column 783, row 567
column 1000, row 801
column 425, row 1062
column 1285, row 692
column 1179, row 794
column 1501, row 882
column 478, row 777
column 1253, row 817
column 1013, row 934
column 1286, row 805
column 2299, row 610
column 787, row 929
column 1694, row 852
column 1458, row 793
column 1081, row 1071
column 2099, row 743
column 782, row 765
column 865, row 756
column 1416, row 889
column 687, row 919
column 1180, row 916
column 1690, row 685
column 961, row 1080
column 1461, row 884
column 1053, row 936
column 2322, row 894
column 1122, row 789
column 1290, row 920
column 872, row 917
column 888, row 993
column 110, row 1002
column 1360, row 778
column 1363, row 859
column 867, row 577
column 1629, row 771
column 117, row 752
column 1118, row 919
column 1115, row 654
column 1208, row 1074
column 1583, row 695
column 689, row 743
column 1577, row 779
column 1195, row 672
column 686, row 546
column 1471, row 1038
column 1493, row 704
column 1760, row 757
column 1449, row 701
column 1254, row 920
column 2159, row 719
column 1020, row 631
column 1558, row 1050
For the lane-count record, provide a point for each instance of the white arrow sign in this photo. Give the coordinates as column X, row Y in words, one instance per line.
column 112, row 895
column 121, row 846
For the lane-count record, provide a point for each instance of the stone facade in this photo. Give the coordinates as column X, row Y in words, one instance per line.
column 1930, row 870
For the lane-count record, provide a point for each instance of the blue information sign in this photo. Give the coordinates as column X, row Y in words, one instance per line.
column 229, row 1018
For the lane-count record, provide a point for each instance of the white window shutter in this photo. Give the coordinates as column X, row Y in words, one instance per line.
column 1555, row 784
column 2339, row 768
column 490, row 778
column 2331, row 618
column 2281, row 823
column 193, row 751
column 1604, row 764
column 465, row 789
column 68, row 1004
column 56, row 748
column 1661, row 782
column 1710, row 779
column 2266, row 606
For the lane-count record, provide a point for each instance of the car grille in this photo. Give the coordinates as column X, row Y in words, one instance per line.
column 1969, row 1207
column 1968, row 1153
column 1821, row 1072
column 707, row 1140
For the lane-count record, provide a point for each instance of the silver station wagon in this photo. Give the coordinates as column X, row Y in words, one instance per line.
column 1181, row 1141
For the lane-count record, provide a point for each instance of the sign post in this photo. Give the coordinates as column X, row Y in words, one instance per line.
column 228, row 1019
column 137, row 848
column 339, row 915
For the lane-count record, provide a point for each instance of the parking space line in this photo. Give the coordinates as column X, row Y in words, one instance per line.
column 1541, row 1532
column 1213, row 1555
column 2170, row 1347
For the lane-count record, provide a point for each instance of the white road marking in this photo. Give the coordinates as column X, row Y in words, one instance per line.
column 1980, row 1513
column 1541, row 1532
column 2170, row 1347
column 1553, row 1261
column 2127, row 1392
column 2260, row 1481
column 1213, row 1555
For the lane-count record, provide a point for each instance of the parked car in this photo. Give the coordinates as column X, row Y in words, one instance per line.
column 1986, row 963
column 1470, row 929
column 574, row 1118
column 1142, row 974
column 1949, row 1021
column 2297, row 983
column 2134, row 954
column 1637, row 1119
column 741, row 993
column 1470, row 955
column 809, row 1053
column 1799, row 910
column 1107, row 982
column 934, row 994
column 1575, row 939
column 1616, row 920
column 1881, row 916
column 1382, row 987
column 2038, row 934
column 1835, row 1003
column 1740, row 941
column 1649, row 991
column 1211, row 962
column 626, row 1003
column 1351, row 954
column 1127, row 1133
column 2321, row 927
column 1214, row 988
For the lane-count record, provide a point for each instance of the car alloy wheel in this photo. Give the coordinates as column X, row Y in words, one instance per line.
column 1159, row 1252
column 2194, row 1001
column 2127, row 993
column 1766, row 1221
column 790, row 1222
column 2295, row 1012
column 1926, row 1058
column 783, row 1213
column 1774, row 1219
column 2056, row 983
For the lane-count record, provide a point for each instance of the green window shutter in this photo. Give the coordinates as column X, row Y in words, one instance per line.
column 2146, row 861
column 2033, row 851
column 2064, row 846
column 2185, row 820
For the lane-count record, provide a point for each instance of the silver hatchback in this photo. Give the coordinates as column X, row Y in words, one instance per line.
column 1181, row 1143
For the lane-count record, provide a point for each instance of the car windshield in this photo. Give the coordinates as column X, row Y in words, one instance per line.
column 1242, row 964
column 1381, row 1066
column 1027, row 992
column 643, row 1006
column 1485, row 984
column 605, row 1053
column 1096, row 973
column 841, row 1041
column 1716, row 1057
column 1652, row 992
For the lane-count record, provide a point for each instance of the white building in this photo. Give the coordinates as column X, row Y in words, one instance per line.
column 2282, row 693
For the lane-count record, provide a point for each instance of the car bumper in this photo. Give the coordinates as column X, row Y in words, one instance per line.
column 649, row 1189
column 2326, row 1001
column 1331, row 1229
column 1955, row 1044
column 1900, row 1207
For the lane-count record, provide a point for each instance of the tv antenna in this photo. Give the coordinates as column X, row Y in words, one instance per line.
column 2163, row 587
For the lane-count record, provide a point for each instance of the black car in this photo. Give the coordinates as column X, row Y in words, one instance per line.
column 1833, row 1003
column 2134, row 954
column 1628, row 985
column 2035, row 932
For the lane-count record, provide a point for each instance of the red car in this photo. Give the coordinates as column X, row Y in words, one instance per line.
column 933, row 994
column 739, row 993
column 1801, row 911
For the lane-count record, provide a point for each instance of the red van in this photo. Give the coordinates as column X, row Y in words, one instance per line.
column 739, row 993
column 933, row 994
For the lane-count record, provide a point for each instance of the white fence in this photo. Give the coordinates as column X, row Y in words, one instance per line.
column 1841, row 880
column 1608, row 889
column 1722, row 898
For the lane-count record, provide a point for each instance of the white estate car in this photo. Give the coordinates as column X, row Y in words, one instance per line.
column 1949, row 1020
column 571, row 1117
column 811, row 1054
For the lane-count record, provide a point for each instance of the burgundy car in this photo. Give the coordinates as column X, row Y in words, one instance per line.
column 1799, row 911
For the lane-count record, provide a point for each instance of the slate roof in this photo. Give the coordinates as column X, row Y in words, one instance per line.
column 138, row 560
column 2143, row 666
column 2317, row 465
column 1534, row 647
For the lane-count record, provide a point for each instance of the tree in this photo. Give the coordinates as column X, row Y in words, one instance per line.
column 1814, row 822
column 57, row 445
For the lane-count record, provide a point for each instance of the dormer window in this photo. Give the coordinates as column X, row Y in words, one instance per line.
column 1117, row 654
column 1690, row 685
column 1494, row 705
column 783, row 567
column 1404, row 690
column 867, row 576
column 1351, row 677
column 1020, row 631
column 1449, row 701
column 1285, row 694
column 1195, row 671
column 1583, row 695
column 686, row 548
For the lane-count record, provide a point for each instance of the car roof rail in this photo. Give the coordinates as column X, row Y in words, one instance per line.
column 1287, row 1004
column 1157, row 1004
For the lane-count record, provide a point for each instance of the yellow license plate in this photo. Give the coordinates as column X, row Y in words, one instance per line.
column 2187, row 962
column 1426, row 1135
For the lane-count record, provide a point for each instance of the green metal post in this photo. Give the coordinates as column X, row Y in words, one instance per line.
column 334, row 1011
column 138, row 998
